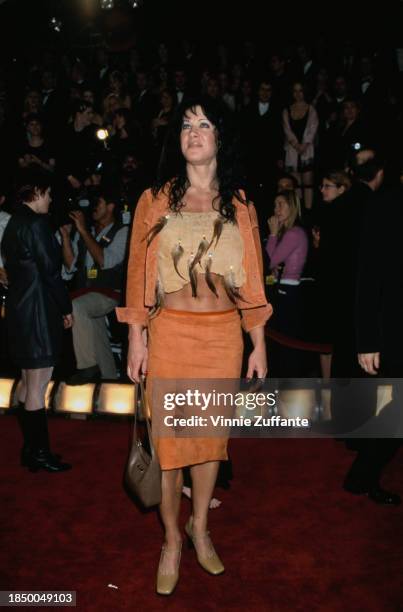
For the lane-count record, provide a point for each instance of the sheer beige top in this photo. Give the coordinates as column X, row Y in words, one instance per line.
column 189, row 244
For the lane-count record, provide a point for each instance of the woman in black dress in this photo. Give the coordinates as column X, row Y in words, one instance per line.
column 38, row 308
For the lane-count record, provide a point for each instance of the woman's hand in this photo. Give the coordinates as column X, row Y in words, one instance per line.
column 137, row 358
column 257, row 362
column 274, row 225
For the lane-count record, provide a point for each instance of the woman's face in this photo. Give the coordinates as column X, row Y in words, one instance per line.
column 281, row 209
column 89, row 97
column 350, row 111
column 198, row 138
column 86, row 117
column 34, row 128
column 166, row 100
column 298, row 93
column 115, row 82
column 119, row 122
column 34, row 100
column 330, row 191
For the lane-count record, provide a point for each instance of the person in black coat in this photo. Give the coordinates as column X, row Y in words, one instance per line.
column 38, row 308
column 379, row 331
column 355, row 404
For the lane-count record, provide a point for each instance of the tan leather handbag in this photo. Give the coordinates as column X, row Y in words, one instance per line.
column 143, row 472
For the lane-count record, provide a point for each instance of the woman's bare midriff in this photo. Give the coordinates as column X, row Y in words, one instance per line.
column 205, row 301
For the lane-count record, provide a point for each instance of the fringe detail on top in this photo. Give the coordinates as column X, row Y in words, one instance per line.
column 231, row 289
column 159, row 299
column 177, row 253
column 209, row 280
column 218, row 226
column 161, row 223
column 201, row 250
column 193, row 277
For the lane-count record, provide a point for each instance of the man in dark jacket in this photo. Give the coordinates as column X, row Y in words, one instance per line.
column 357, row 408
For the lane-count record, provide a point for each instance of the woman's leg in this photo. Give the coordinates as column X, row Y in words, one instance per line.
column 36, row 384
column 22, row 392
column 307, row 180
column 204, row 477
column 171, row 484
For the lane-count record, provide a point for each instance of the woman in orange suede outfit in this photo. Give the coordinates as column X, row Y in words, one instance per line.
column 194, row 280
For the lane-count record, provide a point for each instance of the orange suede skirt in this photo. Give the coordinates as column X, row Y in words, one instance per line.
column 195, row 345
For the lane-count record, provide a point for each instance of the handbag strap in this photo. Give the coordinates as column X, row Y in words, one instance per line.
column 143, row 401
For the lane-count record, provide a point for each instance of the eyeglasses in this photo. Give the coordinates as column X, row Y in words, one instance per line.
column 328, row 186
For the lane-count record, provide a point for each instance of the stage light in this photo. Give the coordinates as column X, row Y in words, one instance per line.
column 75, row 399
column 106, row 5
column 297, row 403
column 116, row 399
column 55, row 24
column 48, row 393
column 383, row 397
column 6, row 387
column 102, row 134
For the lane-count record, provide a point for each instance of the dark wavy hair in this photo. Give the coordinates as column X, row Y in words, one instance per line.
column 32, row 182
column 172, row 178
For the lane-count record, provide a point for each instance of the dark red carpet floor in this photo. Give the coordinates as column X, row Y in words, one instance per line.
column 290, row 538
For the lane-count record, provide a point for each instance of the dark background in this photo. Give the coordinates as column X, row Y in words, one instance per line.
column 24, row 24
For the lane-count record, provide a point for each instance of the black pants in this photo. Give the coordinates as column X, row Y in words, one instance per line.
column 373, row 454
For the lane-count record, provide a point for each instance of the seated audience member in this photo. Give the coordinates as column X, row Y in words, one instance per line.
column 32, row 103
column 88, row 95
column 287, row 182
column 35, row 151
column 342, row 138
column 95, row 259
column 161, row 121
column 117, row 86
column 287, row 248
column 80, row 149
column 127, row 133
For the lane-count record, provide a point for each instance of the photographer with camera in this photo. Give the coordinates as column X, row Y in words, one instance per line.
column 94, row 259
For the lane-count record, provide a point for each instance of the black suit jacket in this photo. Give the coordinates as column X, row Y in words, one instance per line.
column 379, row 301
column 262, row 137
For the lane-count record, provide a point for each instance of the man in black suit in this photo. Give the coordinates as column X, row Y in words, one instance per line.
column 262, row 139
column 358, row 404
column 379, row 328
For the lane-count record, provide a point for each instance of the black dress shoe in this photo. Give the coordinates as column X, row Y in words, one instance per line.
column 386, row 498
column 42, row 459
column 85, row 376
column 26, row 455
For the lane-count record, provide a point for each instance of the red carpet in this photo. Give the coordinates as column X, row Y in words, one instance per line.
column 290, row 538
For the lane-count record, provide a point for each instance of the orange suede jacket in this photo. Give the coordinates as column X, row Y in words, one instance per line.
column 142, row 269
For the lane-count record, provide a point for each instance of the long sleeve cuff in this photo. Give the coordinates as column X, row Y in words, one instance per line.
column 256, row 317
column 132, row 316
